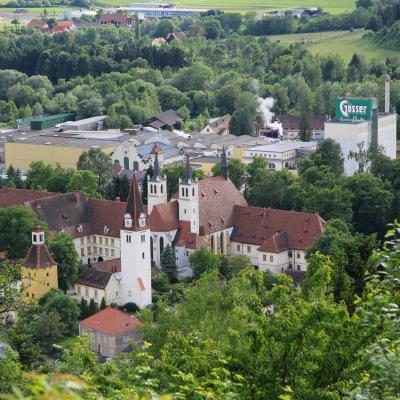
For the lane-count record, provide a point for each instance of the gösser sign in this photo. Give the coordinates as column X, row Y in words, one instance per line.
column 359, row 109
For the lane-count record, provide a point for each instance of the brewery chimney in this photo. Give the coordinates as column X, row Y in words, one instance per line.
column 387, row 94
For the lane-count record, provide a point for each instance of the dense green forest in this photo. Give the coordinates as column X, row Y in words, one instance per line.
column 117, row 71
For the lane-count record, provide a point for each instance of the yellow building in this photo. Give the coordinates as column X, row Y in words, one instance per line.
column 205, row 163
column 39, row 272
column 61, row 149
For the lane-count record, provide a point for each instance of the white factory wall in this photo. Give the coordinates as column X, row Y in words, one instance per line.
column 387, row 134
column 348, row 135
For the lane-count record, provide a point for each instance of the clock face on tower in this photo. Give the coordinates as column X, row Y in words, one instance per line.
column 142, row 220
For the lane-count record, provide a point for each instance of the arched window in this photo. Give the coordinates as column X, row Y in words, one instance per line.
column 183, row 192
column 126, row 162
column 151, row 248
column 221, row 238
column 155, row 189
column 162, row 188
column 135, row 166
column 271, row 166
column 161, row 244
column 187, row 192
column 151, row 188
column 193, row 192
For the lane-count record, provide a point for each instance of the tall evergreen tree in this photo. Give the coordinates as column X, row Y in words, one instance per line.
column 168, row 263
column 149, row 174
column 305, row 128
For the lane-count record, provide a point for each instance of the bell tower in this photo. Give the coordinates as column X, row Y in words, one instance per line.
column 157, row 184
column 189, row 199
column 135, row 281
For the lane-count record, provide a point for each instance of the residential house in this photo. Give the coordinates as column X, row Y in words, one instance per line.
column 176, row 36
column 63, row 26
column 98, row 281
column 110, row 331
column 166, row 120
column 219, row 126
column 116, row 19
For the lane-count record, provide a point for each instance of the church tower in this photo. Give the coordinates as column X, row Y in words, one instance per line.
column 189, row 199
column 157, row 185
column 135, row 252
column 39, row 271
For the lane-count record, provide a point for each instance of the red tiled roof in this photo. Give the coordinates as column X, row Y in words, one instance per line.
column 106, row 217
column 293, row 122
column 114, row 18
column 276, row 230
column 188, row 239
column 62, row 26
column 164, row 217
column 39, row 257
column 10, row 197
column 112, row 322
column 113, row 265
column 217, row 198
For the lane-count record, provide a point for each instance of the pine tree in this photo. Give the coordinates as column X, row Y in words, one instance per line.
column 103, row 304
column 11, row 174
column 168, row 264
column 305, row 129
column 18, row 180
column 149, row 174
column 93, row 307
column 84, row 309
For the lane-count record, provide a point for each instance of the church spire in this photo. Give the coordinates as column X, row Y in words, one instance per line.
column 188, row 170
column 224, row 164
column 156, row 167
column 135, row 217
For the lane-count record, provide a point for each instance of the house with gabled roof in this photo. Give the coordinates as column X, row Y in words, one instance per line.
column 111, row 331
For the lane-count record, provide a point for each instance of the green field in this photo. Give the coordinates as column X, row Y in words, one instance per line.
column 344, row 43
column 334, row 7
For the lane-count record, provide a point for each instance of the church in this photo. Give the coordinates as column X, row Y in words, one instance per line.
column 208, row 213
column 121, row 243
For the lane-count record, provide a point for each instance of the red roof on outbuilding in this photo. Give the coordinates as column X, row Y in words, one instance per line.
column 112, row 322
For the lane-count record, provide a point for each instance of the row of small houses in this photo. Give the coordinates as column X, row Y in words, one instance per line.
column 115, row 19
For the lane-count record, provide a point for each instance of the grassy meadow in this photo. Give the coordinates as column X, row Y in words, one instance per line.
column 334, row 7
column 343, row 43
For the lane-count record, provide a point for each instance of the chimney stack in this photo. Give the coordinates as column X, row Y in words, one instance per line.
column 387, row 94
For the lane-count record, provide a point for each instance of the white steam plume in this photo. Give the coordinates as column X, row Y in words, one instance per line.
column 264, row 106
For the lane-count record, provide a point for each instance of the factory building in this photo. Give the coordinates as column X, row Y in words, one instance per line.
column 358, row 127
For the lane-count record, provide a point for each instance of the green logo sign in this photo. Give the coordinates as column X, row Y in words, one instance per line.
column 359, row 109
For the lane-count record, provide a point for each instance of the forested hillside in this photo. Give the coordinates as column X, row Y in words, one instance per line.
column 118, row 72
